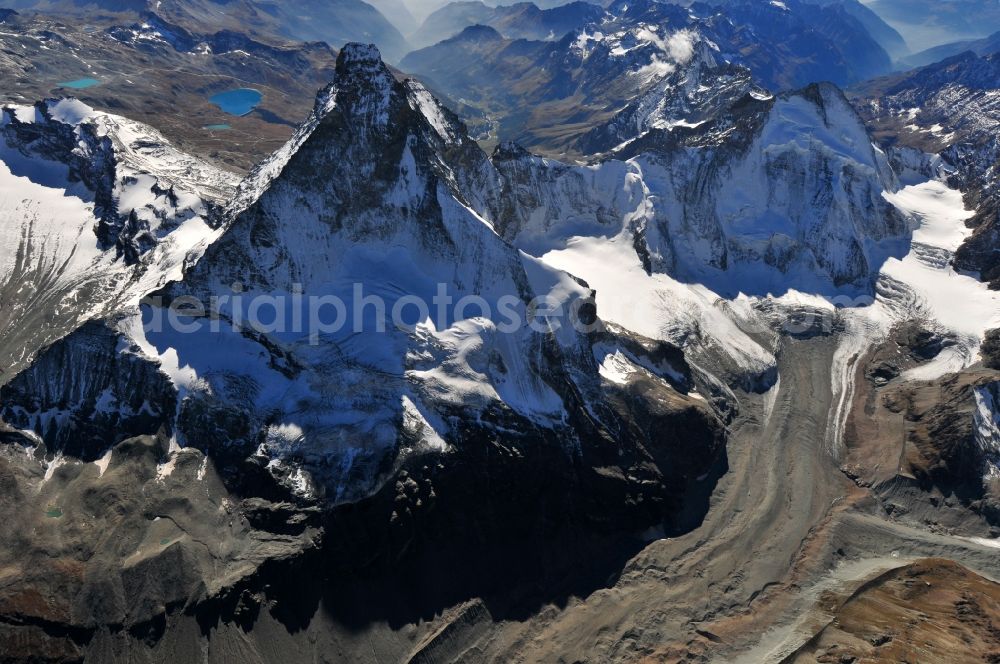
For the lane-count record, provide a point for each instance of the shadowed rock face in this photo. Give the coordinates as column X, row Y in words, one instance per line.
column 86, row 393
column 991, row 349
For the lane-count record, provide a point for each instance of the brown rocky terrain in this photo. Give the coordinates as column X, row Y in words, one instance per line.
column 914, row 442
column 932, row 610
column 163, row 75
column 109, row 548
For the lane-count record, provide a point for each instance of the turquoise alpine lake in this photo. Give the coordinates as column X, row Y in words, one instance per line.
column 217, row 127
column 80, row 83
column 237, row 102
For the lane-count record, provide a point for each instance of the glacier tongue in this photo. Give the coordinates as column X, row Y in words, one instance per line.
column 921, row 286
column 659, row 307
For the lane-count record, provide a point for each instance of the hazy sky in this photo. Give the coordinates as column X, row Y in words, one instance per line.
column 421, row 8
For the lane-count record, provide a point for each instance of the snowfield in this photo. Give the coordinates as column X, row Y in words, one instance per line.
column 921, row 286
column 656, row 305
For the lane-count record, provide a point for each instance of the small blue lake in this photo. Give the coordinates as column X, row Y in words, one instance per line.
column 237, row 102
column 217, row 127
column 80, row 83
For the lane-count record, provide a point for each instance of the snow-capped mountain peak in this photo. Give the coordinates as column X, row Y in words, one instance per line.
column 364, row 84
column 381, row 194
column 370, row 112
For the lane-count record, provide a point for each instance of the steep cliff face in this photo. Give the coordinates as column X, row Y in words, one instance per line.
column 87, row 392
column 104, row 529
column 699, row 222
column 377, row 159
column 803, row 202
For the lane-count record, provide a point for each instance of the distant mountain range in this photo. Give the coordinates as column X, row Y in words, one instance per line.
column 523, row 20
column 877, row 28
column 887, row 36
column 547, row 94
column 983, row 46
column 928, row 23
column 333, row 21
column 397, row 13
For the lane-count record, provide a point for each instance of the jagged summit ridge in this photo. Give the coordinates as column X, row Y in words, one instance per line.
column 366, row 107
column 355, row 53
column 364, row 84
